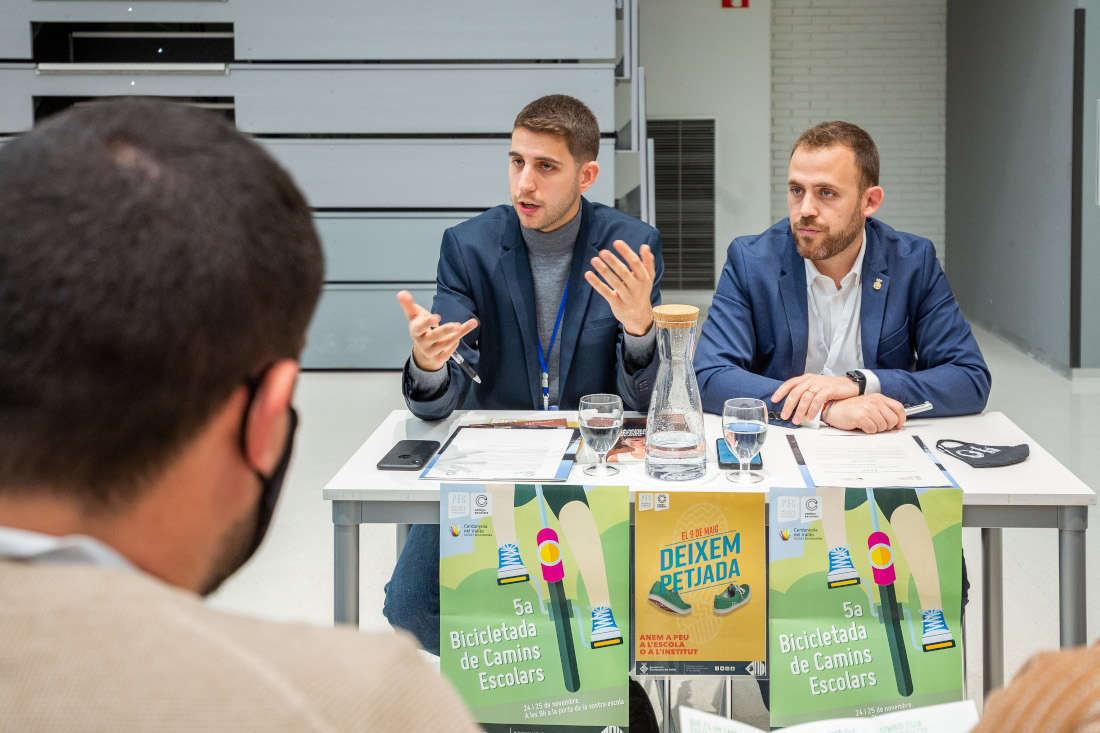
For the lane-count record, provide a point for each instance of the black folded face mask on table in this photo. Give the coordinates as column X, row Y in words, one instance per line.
column 984, row 456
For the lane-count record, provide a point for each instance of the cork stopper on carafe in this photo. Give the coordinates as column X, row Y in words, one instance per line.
column 675, row 316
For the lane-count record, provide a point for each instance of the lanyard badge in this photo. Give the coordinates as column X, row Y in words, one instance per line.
column 545, row 358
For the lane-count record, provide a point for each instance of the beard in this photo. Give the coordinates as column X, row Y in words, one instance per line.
column 553, row 215
column 235, row 550
column 830, row 243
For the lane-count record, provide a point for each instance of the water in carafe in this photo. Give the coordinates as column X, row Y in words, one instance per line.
column 675, row 444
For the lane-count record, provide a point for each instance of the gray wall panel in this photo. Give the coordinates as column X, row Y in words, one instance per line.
column 466, row 174
column 1090, row 191
column 455, row 73
column 383, row 247
column 21, row 82
column 337, row 99
column 361, row 327
column 1009, row 85
column 455, row 98
column 293, row 30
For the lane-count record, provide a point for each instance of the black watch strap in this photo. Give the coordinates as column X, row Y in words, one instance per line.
column 859, row 378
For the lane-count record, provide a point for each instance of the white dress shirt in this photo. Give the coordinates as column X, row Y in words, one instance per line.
column 834, row 346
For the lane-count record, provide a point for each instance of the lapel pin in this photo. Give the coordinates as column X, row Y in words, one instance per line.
column 878, row 283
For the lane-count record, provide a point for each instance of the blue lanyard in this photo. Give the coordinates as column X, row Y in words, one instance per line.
column 543, row 359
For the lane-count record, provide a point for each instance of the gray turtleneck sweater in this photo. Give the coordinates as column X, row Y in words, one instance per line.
column 551, row 257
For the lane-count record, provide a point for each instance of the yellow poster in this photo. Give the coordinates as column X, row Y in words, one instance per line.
column 700, row 585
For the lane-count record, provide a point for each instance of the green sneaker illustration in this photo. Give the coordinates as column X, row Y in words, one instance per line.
column 731, row 598
column 668, row 600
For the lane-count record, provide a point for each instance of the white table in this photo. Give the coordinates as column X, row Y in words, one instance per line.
column 1040, row 492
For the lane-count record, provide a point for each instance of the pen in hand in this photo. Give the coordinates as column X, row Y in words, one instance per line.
column 465, row 367
column 914, row 409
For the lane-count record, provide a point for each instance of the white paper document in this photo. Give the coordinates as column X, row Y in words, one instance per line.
column 952, row 717
column 494, row 454
column 871, row 461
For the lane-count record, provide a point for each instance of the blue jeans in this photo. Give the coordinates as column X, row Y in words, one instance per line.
column 412, row 595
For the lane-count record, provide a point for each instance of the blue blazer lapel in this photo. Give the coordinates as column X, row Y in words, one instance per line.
column 792, row 288
column 873, row 301
column 580, row 292
column 516, row 273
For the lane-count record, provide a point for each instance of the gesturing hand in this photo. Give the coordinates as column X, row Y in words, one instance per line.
column 432, row 344
column 808, row 393
column 626, row 285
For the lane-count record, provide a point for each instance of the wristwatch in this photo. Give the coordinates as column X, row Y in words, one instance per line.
column 859, row 378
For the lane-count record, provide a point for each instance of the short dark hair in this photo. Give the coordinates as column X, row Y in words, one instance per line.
column 151, row 259
column 568, row 117
column 853, row 137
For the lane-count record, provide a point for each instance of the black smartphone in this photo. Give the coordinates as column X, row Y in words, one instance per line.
column 728, row 462
column 408, row 455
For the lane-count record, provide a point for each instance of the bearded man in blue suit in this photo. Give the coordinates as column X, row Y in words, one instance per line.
column 833, row 317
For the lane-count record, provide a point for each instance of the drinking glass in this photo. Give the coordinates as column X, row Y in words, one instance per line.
column 745, row 425
column 601, row 419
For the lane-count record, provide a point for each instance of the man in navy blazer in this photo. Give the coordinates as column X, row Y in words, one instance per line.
column 485, row 276
column 833, row 315
column 514, row 297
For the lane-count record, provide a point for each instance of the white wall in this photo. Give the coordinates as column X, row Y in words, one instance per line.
column 881, row 65
column 705, row 61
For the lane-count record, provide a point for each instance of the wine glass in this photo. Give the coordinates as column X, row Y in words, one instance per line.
column 745, row 425
column 601, row 419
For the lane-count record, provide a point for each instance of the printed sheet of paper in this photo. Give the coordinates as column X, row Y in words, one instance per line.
column 952, row 717
column 489, row 454
column 867, row 461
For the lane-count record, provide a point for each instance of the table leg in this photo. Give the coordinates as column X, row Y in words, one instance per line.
column 993, row 639
column 664, row 699
column 346, row 516
column 1072, row 523
column 402, row 536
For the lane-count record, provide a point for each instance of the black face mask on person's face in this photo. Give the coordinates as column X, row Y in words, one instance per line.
column 272, row 486
column 244, row 538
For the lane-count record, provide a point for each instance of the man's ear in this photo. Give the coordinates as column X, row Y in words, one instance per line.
column 872, row 199
column 268, row 418
column 588, row 174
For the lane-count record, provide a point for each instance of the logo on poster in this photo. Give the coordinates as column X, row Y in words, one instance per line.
column 458, row 504
column 811, row 509
column 645, row 502
column 483, row 505
column 788, row 509
column 662, row 501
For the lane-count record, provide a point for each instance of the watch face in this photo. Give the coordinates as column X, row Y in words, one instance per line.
column 859, row 379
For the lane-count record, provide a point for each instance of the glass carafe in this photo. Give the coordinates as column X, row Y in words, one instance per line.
column 675, row 444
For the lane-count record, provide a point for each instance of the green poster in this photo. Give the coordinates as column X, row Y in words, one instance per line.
column 865, row 594
column 534, row 603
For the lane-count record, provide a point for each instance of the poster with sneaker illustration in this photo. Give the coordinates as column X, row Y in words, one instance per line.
column 700, row 605
column 535, row 603
column 865, row 594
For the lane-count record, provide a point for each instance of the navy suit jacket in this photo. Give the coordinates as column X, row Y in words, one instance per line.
column 913, row 335
column 484, row 273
